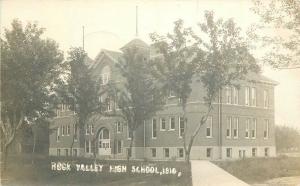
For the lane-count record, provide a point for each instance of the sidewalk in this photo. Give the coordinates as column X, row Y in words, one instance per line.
column 205, row 173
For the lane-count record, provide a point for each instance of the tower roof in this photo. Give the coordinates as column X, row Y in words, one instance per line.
column 136, row 43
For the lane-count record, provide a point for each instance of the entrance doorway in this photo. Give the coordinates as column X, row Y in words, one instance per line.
column 104, row 142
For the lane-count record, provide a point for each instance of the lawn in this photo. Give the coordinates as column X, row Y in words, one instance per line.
column 259, row 170
column 22, row 172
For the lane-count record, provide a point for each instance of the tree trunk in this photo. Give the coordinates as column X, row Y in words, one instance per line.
column 5, row 155
column 130, row 148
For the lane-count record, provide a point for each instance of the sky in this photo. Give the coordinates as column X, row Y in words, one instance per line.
column 111, row 24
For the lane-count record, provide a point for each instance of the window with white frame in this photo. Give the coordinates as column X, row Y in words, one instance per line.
column 166, row 152
column 253, row 128
column 228, row 127
column 108, row 104
column 266, row 129
column 180, row 153
column 162, row 124
column 105, row 75
column 235, row 127
column 254, row 152
column 119, row 146
column 253, row 96
column 87, row 130
column 209, row 128
column 129, row 132
column 228, row 95
column 228, row 152
column 68, row 130
column 247, row 128
column 172, row 123
column 153, row 152
column 154, row 128
column 181, row 127
column 266, row 99
column 247, row 96
column 235, row 96
column 119, row 127
column 57, row 134
column 92, row 128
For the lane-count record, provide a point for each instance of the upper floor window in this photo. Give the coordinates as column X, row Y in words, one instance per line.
column 253, row 96
column 228, row 127
column 209, row 123
column 266, row 129
column 228, row 95
column 253, row 128
column 105, row 75
column 154, row 128
column 266, row 99
column 247, row 128
column 181, row 127
column 235, row 96
column 247, row 96
column 119, row 127
column 57, row 134
column 172, row 123
column 162, row 124
column 235, row 127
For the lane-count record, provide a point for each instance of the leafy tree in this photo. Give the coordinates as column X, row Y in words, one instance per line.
column 30, row 66
column 81, row 92
column 139, row 98
column 283, row 16
column 219, row 59
column 286, row 138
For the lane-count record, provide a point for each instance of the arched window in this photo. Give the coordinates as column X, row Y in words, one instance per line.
column 105, row 75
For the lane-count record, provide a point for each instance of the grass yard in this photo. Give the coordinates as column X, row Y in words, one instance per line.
column 259, row 170
column 20, row 171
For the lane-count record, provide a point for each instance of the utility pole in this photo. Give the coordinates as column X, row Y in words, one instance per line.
column 83, row 37
column 136, row 22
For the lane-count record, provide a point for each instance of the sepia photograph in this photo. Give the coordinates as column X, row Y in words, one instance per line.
column 144, row 93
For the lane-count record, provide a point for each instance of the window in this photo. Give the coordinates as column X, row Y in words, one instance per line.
column 153, row 152
column 172, row 123
column 235, row 127
column 75, row 132
column 266, row 99
column 247, row 96
column 181, row 127
column 58, row 152
column 162, row 124
column 228, row 95
column 63, row 130
column 108, row 104
column 253, row 96
column 228, row 127
column 68, row 129
column 254, row 151
column 119, row 127
column 129, row 132
column 92, row 128
column 228, row 152
column 209, row 152
column 166, row 152
column 247, row 128
column 171, row 94
column 75, row 152
column 266, row 152
column 119, row 146
column 266, row 129
column 209, row 123
column 87, row 130
column 87, row 146
column 180, row 152
column 128, row 150
column 253, row 128
column 105, row 75
column 57, row 134
column 235, row 93
column 67, row 152
column 154, row 132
